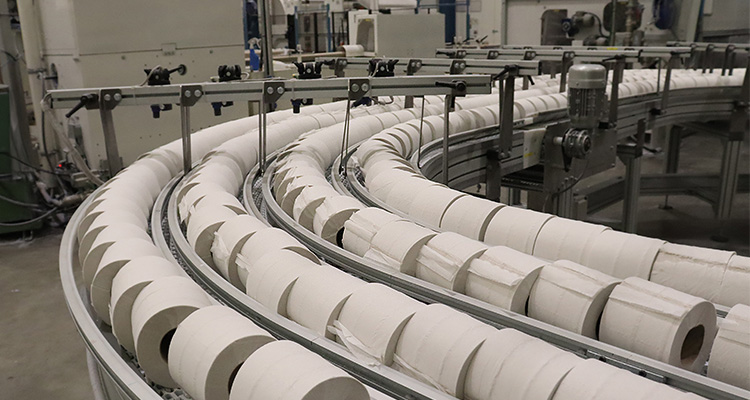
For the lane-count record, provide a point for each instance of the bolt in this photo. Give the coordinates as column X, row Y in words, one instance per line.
column 187, row 93
column 612, row 165
column 269, row 90
column 355, row 87
column 280, row 90
column 198, row 93
column 365, row 87
column 107, row 97
column 118, row 97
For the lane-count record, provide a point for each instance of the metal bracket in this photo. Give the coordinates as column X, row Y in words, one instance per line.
column 706, row 61
column 189, row 95
column 493, row 54
column 339, row 65
column 457, row 67
column 358, row 88
column 413, row 66
column 567, row 61
column 272, row 91
column 617, row 71
column 729, row 56
column 108, row 99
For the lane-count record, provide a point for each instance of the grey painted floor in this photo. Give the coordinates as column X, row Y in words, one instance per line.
column 42, row 356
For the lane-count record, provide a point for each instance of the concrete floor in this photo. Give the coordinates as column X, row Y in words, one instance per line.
column 42, row 355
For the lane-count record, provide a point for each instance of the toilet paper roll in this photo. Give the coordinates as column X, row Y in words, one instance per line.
column 622, row 255
column 362, row 226
column 89, row 269
column 124, row 189
column 209, row 347
column 516, row 228
column 380, row 185
column 659, row 322
column 397, row 245
column 105, row 204
column 226, row 183
column 110, row 217
column 223, row 164
column 731, row 349
column 694, row 270
column 470, row 216
column 401, row 194
column 114, row 258
column 352, row 50
column 373, row 169
column 106, row 238
column 285, row 370
column 295, row 187
column 566, row 239
column 513, row 365
column 430, row 203
column 308, row 201
column 157, row 311
column 570, row 296
column 444, row 260
column 281, row 181
column 371, row 321
column 266, row 241
column 331, row 215
column 384, row 153
column 593, row 380
column 437, row 345
column 157, row 168
column 195, row 194
column 735, row 287
column 147, row 183
column 220, row 199
column 126, row 285
column 202, row 227
column 228, row 242
column 164, row 158
column 503, row 277
column 272, row 276
column 316, row 298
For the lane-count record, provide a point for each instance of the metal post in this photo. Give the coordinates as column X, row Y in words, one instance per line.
column 446, row 133
column 631, row 157
column 492, row 176
column 506, row 116
column 108, row 99
column 728, row 186
column 667, row 84
column 614, row 92
column 329, row 41
column 613, row 27
column 567, row 61
column 265, row 43
column 673, row 158
column 186, row 145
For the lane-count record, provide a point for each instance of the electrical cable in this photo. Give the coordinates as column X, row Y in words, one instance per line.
column 29, row 221
column 150, row 73
column 39, row 169
column 18, row 203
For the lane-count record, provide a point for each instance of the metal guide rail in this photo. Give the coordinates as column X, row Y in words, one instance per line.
column 414, row 66
column 425, row 291
column 581, row 53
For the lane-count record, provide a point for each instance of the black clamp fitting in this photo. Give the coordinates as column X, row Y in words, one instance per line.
column 381, row 68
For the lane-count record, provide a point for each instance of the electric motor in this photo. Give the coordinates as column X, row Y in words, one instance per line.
column 587, row 85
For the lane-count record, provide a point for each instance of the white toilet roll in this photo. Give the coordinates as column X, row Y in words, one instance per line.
column 266, row 241
column 570, row 296
column 401, row 194
column 694, row 270
column 114, row 258
column 285, row 370
column 157, row 311
column 105, row 204
column 162, row 173
column 316, row 298
column 397, row 245
column 659, row 322
column 566, row 239
column 622, row 255
column 469, row 216
column 209, row 347
column 444, row 260
column 371, row 321
column 109, row 218
column 295, row 188
column 381, row 185
column 331, row 215
column 223, row 164
column 126, row 286
column 503, row 277
column 118, row 253
column 430, row 203
column 437, row 345
column 109, row 235
column 308, row 201
column 282, row 181
column 595, row 380
column 202, row 227
column 272, row 276
column 374, row 169
column 731, row 350
column 362, row 226
column 516, row 228
column 515, row 366
column 228, row 242
column 220, row 199
column 193, row 195
column 735, row 287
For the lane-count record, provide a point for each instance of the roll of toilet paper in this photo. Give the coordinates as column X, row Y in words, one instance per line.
column 570, row 296
column 735, row 287
column 331, row 215
column 316, row 298
column 281, row 181
column 272, row 276
column 162, row 173
column 109, row 218
column 223, row 165
column 295, row 187
column 126, row 286
column 362, row 226
column 659, row 322
column 594, row 380
column 444, row 260
column 118, row 251
column 516, row 228
column 266, row 241
column 469, row 216
column 228, row 242
column 401, row 195
column 566, row 239
column 430, row 203
column 308, row 201
column 203, row 225
column 157, row 311
column 352, row 50
column 397, row 163
column 381, row 185
column 195, row 194
column 371, row 321
column 93, row 251
column 397, row 245
column 105, row 204
column 731, row 349
column 217, row 199
column 622, row 255
column 285, row 370
column 209, row 347
column 437, row 345
column 503, row 277
column 513, row 365
column 694, row 270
